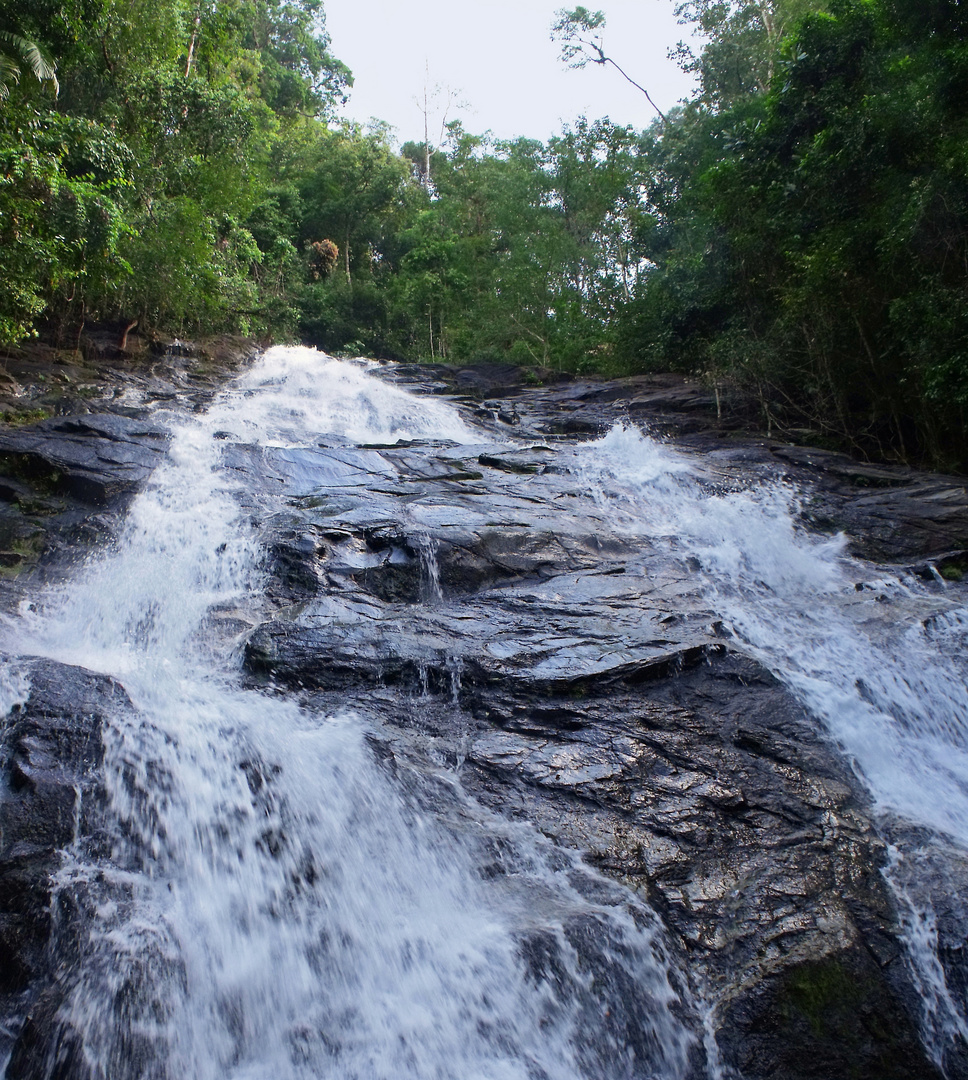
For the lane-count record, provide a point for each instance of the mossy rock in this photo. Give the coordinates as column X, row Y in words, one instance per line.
column 20, row 553
column 833, row 1018
column 23, row 417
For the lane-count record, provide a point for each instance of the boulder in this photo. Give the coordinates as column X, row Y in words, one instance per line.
column 51, row 805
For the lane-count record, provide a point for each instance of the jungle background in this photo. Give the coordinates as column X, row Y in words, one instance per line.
column 796, row 234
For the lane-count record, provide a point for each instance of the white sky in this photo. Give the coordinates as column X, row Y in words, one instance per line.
column 498, row 57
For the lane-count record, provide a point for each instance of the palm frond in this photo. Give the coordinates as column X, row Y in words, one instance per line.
column 17, row 52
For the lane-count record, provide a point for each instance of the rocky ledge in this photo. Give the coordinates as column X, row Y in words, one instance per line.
column 51, row 750
column 578, row 681
column 568, row 676
column 78, row 439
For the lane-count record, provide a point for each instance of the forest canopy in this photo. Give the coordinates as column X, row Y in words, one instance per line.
column 795, row 234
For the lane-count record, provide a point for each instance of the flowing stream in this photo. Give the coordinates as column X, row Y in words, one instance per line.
column 880, row 661
column 274, row 903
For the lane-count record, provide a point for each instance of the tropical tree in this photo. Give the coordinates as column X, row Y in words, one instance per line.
column 18, row 54
column 816, row 248
column 741, row 42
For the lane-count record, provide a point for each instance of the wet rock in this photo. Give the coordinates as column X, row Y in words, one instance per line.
column 823, row 1018
column 47, row 1048
column 699, row 782
column 93, row 458
column 487, row 380
column 573, row 680
column 579, row 682
column 890, row 512
column 78, row 439
column 63, row 484
column 521, row 462
column 710, row 789
column 59, row 876
column 51, row 801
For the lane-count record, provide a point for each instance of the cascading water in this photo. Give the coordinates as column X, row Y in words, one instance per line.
column 273, row 903
column 878, row 659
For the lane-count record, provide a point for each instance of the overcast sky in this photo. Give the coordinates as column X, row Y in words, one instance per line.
column 497, row 58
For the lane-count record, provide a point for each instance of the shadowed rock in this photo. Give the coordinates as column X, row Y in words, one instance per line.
column 51, row 801
column 569, row 678
column 93, row 458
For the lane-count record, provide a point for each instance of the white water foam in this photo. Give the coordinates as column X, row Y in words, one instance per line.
column 880, row 661
column 14, row 687
column 881, row 666
column 274, row 906
column 302, row 392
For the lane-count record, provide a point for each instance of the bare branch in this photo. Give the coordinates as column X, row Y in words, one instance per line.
column 580, row 46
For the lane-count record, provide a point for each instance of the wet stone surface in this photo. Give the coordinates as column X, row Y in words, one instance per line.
column 502, row 633
column 51, row 749
column 83, row 432
column 576, row 679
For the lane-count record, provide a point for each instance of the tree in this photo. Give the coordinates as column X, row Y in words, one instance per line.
column 578, row 31
column 817, row 236
column 17, row 53
column 280, row 47
column 352, row 183
column 62, row 216
column 427, row 105
column 741, row 44
column 191, row 96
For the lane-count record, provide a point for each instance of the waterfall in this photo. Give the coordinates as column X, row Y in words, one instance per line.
column 275, row 903
column 879, row 659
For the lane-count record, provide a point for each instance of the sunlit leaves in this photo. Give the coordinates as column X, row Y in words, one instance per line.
column 62, row 221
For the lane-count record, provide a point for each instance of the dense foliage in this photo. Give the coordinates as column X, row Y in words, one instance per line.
column 129, row 194
column 817, row 238
column 796, row 234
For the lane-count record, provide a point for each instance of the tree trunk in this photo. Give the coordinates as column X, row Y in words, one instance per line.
column 191, row 44
column 426, row 112
column 123, row 343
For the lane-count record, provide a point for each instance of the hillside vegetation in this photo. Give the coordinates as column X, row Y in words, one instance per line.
column 797, row 234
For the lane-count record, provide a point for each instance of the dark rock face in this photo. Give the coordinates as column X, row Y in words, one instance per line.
column 834, row 1016
column 697, row 781
column 51, row 801
column 93, row 458
column 63, row 485
column 579, row 682
column 891, row 513
column 575, row 680
column 81, row 440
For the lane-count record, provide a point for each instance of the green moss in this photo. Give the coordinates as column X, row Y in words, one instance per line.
column 29, row 470
column 38, row 507
column 838, row 1017
column 819, row 990
column 462, row 474
column 22, row 417
column 952, row 573
column 21, row 554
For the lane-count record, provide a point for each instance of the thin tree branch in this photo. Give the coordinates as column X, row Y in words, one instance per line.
column 603, row 59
